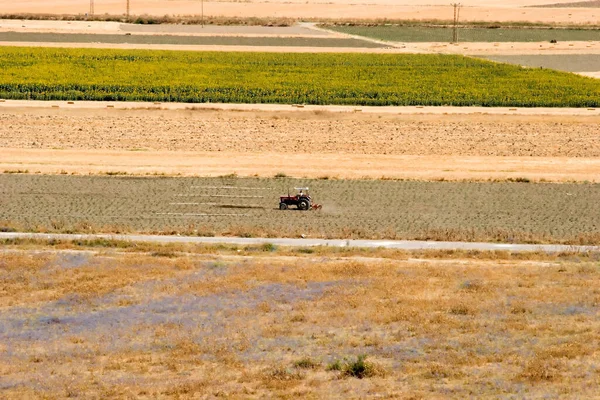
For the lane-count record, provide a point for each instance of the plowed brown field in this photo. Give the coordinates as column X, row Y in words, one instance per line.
column 307, row 144
column 320, row 132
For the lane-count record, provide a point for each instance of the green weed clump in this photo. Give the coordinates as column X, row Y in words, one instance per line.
column 359, row 368
column 297, row 78
column 307, row 363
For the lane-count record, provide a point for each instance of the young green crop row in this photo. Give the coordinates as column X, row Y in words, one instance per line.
column 352, row 79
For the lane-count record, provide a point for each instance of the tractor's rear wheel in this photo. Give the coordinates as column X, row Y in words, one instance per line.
column 303, row 205
column 283, row 206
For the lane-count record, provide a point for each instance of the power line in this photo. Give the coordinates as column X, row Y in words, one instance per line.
column 456, row 18
column 91, row 7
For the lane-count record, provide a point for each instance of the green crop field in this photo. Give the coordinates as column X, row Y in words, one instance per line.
column 354, row 79
column 509, row 212
column 399, row 33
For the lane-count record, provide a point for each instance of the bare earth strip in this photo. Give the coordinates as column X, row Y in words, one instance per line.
column 180, row 40
column 343, row 166
column 264, row 143
column 263, row 49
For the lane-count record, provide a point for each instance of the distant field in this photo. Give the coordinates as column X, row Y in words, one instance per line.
column 430, row 34
column 576, row 4
column 354, row 79
column 184, row 40
column 510, row 212
column 571, row 62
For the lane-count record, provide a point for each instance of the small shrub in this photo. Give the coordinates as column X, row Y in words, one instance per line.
column 540, row 369
column 280, row 175
column 472, row 286
column 335, row 366
column 519, row 179
column 298, row 318
column 164, row 253
column 307, row 363
column 460, row 309
column 283, row 374
column 359, row 368
column 270, row 247
column 306, row 250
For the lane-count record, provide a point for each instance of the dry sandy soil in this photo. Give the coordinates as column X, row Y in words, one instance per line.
column 487, row 10
column 344, row 145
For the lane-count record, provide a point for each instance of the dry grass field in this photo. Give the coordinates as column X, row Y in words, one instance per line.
column 456, row 211
column 164, row 324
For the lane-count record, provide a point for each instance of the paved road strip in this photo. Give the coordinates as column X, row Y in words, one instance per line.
column 388, row 244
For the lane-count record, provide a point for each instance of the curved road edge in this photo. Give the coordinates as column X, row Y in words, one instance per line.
column 388, row 244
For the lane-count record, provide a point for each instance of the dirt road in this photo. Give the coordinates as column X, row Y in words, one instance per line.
column 388, row 244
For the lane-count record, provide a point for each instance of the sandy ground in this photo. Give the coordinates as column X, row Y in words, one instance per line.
column 350, row 166
column 511, row 48
column 492, row 10
column 343, row 145
column 31, row 106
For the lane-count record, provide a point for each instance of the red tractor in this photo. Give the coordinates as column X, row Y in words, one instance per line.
column 302, row 200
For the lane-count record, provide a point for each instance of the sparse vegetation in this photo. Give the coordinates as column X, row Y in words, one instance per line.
column 307, row 363
column 361, row 368
column 115, row 323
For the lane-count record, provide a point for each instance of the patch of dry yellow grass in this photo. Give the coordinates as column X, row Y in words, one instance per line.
column 169, row 325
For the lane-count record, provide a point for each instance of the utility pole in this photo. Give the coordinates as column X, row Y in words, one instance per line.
column 202, row 8
column 128, row 8
column 91, row 7
column 456, row 18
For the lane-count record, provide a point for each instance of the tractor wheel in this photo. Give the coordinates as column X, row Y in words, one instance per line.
column 303, row 205
column 283, row 206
